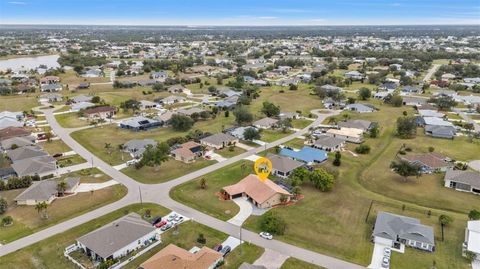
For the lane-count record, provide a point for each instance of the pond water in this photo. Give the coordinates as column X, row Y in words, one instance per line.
column 29, row 62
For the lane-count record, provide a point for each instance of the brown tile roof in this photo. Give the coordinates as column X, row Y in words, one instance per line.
column 10, row 132
column 173, row 257
column 255, row 188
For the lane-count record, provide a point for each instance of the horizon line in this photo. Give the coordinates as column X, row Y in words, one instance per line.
column 230, row 25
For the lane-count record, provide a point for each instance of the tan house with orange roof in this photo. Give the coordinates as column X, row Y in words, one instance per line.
column 173, row 257
column 187, row 152
column 263, row 194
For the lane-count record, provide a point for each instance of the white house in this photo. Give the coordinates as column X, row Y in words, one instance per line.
column 472, row 238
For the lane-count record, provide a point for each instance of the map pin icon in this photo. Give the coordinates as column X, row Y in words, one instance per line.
column 263, row 167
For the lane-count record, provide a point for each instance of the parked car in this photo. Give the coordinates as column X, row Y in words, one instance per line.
column 266, row 235
column 225, row 250
column 172, row 217
column 386, row 262
column 156, row 220
column 178, row 219
column 132, row 162
column 160, row 224
column 218, row 247
column 166, row 226
column 387, row 252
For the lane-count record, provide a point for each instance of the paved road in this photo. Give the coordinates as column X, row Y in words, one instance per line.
column 159, row 194
column 431, row 72
column 465, row 117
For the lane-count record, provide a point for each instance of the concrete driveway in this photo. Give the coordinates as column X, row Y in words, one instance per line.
column 271, row 259
column 87, row 187
column 377, row 256
column 231, row 241
column 476, row 265
column 475, row 165
column 245, row 211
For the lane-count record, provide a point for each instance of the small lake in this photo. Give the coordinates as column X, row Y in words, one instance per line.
column 29, row 62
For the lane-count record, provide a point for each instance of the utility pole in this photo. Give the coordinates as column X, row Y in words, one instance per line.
column 92, row 161
column 140, row 192
column 241, row 252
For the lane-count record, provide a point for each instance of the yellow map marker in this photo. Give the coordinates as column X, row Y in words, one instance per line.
column 263, row 167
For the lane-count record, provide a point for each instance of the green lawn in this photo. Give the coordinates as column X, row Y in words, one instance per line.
column 70, row 120
column 292, row 263
column 228, row 153
column 273, row 135
column 295, row 143
column 18, row 103
column 70, row 160
column 115, row 136
column 27, row 220
column 300, row 123
column 55, row 146
column 190, row 193
column 166, row 171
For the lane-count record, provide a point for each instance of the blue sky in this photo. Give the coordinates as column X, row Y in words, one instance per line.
column 240, row 12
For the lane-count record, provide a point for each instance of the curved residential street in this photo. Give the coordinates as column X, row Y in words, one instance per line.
column 159, row 194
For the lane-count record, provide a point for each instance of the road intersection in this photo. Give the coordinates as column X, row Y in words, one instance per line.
column 159, row 194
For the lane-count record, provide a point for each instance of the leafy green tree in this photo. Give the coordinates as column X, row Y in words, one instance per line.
column 443, row 102
column 61, row 187
column 96, row 99
column 406, row 169
column 284, row 124
column 7, row 220
column 155, row 156
column 362, row 149
column 470, row 256
column 373, row 132
column 322, row 180
column 364, row 93
column 3, row 206
column 181, row 123
column 242, row 116
column 406, row 127
column 271, row 222
column 293, row 87
column 251, row 134
column 270, row 109
column 298, row 176
column 337, row 161
column 444, row 221
column 474, row 215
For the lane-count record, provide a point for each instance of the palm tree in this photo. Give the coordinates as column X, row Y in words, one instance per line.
column 203, row 183
column 42, row 208
column 444, row 221
column 121, row 148
column 332, row 120
column 108, row 146
column 61, row 187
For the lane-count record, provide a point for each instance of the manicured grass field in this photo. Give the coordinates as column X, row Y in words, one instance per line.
column 166, row 171
column 18, row 103
column 292, row 263
column 27, row 220
column 296, row 143
column 228, row 153
column 272, row 135
column 55, row 146
column 300, row 123
column 70, row 160
column 190, row 193
column 70, row 120
column 115, row 136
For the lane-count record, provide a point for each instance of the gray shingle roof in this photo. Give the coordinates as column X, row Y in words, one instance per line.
column 466, row 177
column 328, row 141
column 359, row 124
column 38, row 165
column 391, row 226
column 25, row 153
column 267, row 122
column 114, row 236
column 43, row 190
column 218, row 139
column 283, row 164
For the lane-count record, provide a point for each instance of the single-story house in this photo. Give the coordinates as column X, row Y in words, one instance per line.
column 330, row 103
column 92, row 73
column 50, row 97
column 354, row 75
column 289, row 115
column 136, row 147
column 51, row 88
column 263, row 194
column 307, row 155
column 81, row 105
column 165, row 116
column 265, row 123
column 433, row 121
column 381, row 95
column 472, row 238
column 12, row 115
column 448, row 132
column 414, row 101
column 45, row 191
column 139, row 123
column 228, row 92
column 395, row 230
column 6, row 173
column 9, row 132
column 49, row 80
column 239, row 131
column 328, row 143
column 18, row 142
column 352, row 135
column 25, row 153
column 444, row 92
column 173, row 257
column 146, row 82
column 363, row 125
column 159, row 76
column 461, row 180
column 190, row 111
column 407, row 90
column 118, row 238
column 429, row 162
column 9, row 123
column 172, row 100
column 283, row 166
column 361, row 108
column 42, row 166
column 145, row 104
column 100, row 112
column 187, row 152
column 389, row 87
column 430, row 113
column 81, row 98
column 219, row 141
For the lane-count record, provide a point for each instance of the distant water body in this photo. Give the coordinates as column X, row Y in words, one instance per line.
column 29, row 63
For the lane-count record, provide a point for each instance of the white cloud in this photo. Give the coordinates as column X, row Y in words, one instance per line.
column 17, row 3
column 267, row 18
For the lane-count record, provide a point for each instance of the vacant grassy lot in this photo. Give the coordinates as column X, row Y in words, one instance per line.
column 292, row 263
column 71, row 77
column 55, row 146
column 227, row 152
column 272, row 135
column 70, row 120
column 27, row 220
column 190, row 193
column 300, row 123
column 166, row 171
column 296, row 143
column 115, row 136
column 70, row 160
column 18, row 103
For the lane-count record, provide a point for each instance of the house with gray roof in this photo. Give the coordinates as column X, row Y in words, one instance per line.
column 9, row 122
column 118, row 238
column 448, row 132
column 190, row 111
column 50, row 97
column 139, row 123
column 136, row 147
column 283, row 166
column 82, row 98
column 239, row 131
column 398, row 231
column 42, row 166
column 45, row 191
column 51, row 88
column 25, row 153
column 81, row 105
column 363, row 125
column 265, row 123
column 463, row 180
column 328, row 143
column 172, row 100
column 218, row 141
column 360, row 108
column 17, row 142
